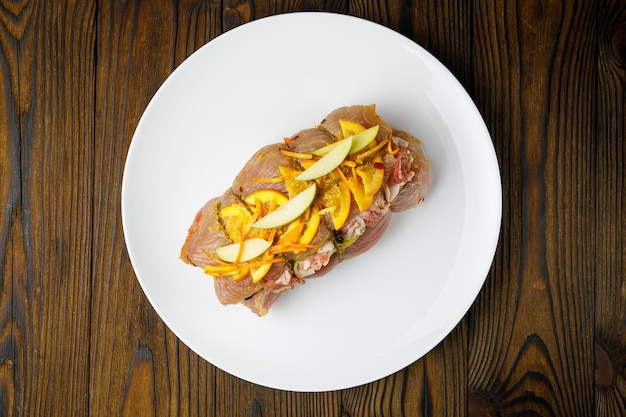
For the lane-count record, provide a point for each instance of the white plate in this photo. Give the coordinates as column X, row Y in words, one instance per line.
column 256, row 84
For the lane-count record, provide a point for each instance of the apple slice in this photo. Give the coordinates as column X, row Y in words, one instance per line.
column 359, row 141
column 328, row 162
column 250, row 249
column 289, row 211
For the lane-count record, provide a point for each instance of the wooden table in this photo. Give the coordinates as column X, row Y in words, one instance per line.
column 545, row 337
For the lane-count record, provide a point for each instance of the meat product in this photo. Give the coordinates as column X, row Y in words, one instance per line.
column 298, row 208
column 205, row 235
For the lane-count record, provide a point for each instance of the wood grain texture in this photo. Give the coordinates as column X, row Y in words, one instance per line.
column 531, row 339
column 46, row 74
column 610, row 297
column 547, row 334
column 137, row 366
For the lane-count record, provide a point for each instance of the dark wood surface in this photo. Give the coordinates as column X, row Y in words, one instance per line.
column 545, row 337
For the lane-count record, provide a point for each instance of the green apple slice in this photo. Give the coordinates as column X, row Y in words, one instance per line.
column 251, row 248
column 289, row 211
column 327, row 162
column 359, row 141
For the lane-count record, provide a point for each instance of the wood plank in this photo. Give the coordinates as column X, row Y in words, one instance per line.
column 78, row 337
column 137, row 365
column 196, row 24
column 236, row 397
column 46, row 75
column 531, row 344
column 610, row 306
column 268, row 8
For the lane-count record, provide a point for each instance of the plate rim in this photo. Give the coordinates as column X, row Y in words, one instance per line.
column 491, row 165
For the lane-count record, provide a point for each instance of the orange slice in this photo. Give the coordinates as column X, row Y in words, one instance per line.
column 262, row 202
column 220, row 270
column 363, row 200
column 257, row 273
column 336, row 197
column 237, row 221
column 350, row 127
column 306, row 164
column 241, row 275
column 293, row 187
column 372, row 175
column 310, row 227
column 292, row 232
column 268, row 198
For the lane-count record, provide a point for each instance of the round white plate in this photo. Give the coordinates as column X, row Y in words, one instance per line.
column 256, row 84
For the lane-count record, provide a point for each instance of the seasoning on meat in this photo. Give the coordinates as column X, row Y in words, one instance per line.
column 300, row 206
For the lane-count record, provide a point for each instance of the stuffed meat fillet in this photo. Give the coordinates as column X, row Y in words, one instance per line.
column 297, row 208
